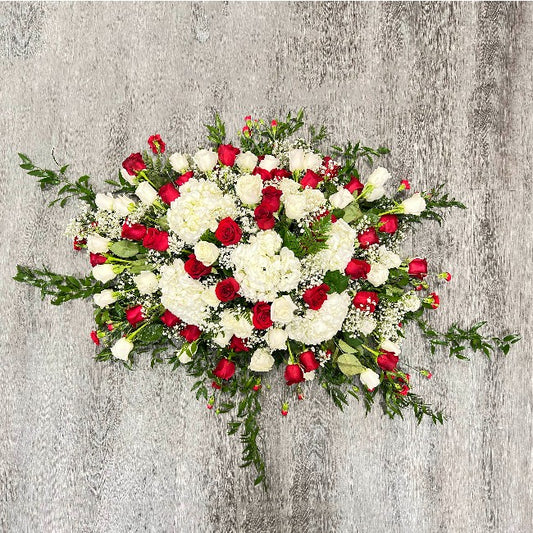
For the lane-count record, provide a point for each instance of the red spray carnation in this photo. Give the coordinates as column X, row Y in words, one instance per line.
column 310, row 179
column 388, row 223
column 308, row 361
column 97, row 259
column 184, row 178
column 224, row 369
column 227, row 154
column 168, row 193
column 190, row 333
column 293, row 374
column 170, row 319
column 434, row 300
column 261, row 315
column 156, row 240
column 264, row 218
column 368, row 237
column 316, row 296
column 237, row 345
column 366, row 301
column 134, row 315
column 78, row 243
column 271, row 198
column 133, row 164
column 227, row 289
column 135, row 232
column 418, row 268
column 354, row 185
column 156, row 144
column 228, row 232
column 357, row 269
column 94, row 337
column 387, row 360
column 195, row 268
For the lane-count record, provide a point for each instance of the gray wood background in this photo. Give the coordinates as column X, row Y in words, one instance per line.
column 91, row 447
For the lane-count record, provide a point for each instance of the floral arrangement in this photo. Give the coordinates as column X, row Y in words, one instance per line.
column 236, row 260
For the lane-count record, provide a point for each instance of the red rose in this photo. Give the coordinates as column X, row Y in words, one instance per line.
column 388, row 223
column 366, row 301
column 224, row 369
column 156, row 144
column 228, row 232
column 168, row 193
column 134, row 164
column 135, row 232
column 78, row 243
column 316, row 296
column 357, row 268
column 261, row 315
column 264, row 218
column 280, row 173
column 156, row 240
column 418, row 268
column 368, row 237
column 134, row 315
column 196, row 269
column 308, row 361
column 227, row 154
column 354, row 185
column 97, row 259
column 387, row 360
column 184, row 178
column 271, row 198
column 170, row 319
column 310, row 179
column 190, row 333
column 227, row 289
column 237, row 345
column 293, row 374
column 265, row 174
column 94, row 337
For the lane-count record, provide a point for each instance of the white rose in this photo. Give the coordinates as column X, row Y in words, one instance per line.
column 261, row 361
column 122, row 348
column 390, row 346
column 127, row 176
column 104, row 298
column 122, row 205
column 206, row 252
column 296, row 160
column 97, row 244
column 375, row 194
column 104, row 201
column 295, row 206
column 104, row 273
column 378, row 274
column 341, row 198
column 146, row 282
column 246, row 161
column 205, row 160
column 379, row 177
column 276, row 338
column 414, row 205
column 179, row 162
column 369, row 379
column 146, row 193
column 312, row 161
column 249, row 189
column 309, row 376
column 269, row 163
column 282, row 309
column 184, row 358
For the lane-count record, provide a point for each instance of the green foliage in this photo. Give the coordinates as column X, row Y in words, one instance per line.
column 352, row 153
column 217, row 131
column 349, row 365
column 125, row 249
column 121, row 185
column 62, row 288
column 66, row 189
column 336, row 280
column 310, row 241
column 436, row 199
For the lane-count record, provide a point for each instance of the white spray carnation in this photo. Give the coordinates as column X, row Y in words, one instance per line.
column 378, row 274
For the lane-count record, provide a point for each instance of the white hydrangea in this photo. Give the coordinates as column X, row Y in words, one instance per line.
column 340, row 248
column 200, row 207
column 234, row 324
column 320, row 325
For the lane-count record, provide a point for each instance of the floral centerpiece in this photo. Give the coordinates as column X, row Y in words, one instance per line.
column 233, row 261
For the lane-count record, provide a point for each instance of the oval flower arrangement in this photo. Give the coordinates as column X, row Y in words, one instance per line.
column 235, row 260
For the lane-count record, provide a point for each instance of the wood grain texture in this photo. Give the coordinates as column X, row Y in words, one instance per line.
column 89, row 447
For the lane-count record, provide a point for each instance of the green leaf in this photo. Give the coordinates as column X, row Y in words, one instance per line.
column 349, row 365
column 124, row 249
column 337, row 281
column 345, row 347
column 150, row 333
column 352, row 212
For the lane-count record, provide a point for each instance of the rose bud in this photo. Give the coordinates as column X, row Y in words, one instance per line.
column 310, row 179
column 156, row 144
column 357, row 269
column 228, row 232
column 280, row 173
column 256, row 387
column 446, row 276
column 316, row 296
column 170, row 319
column 367, row 238
column 366, row 301
column 110, row 327
column 156, row 240
column 387, row 360
column 216, row 385
column 404, row 391
column 227, row 154
column 224, row 369
column 418, row 268
column 94, row 337
column 388, row 223
column 274, row 124
column 133, row 164
column 97, row 259
column 195, row 268
column 308, row 361
column 190, row 333
column 355, row 186
column 227, row 289
column 168, row 193
column 134, row 315
column 293, row 374
column 261, row 315
column 135, row 232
